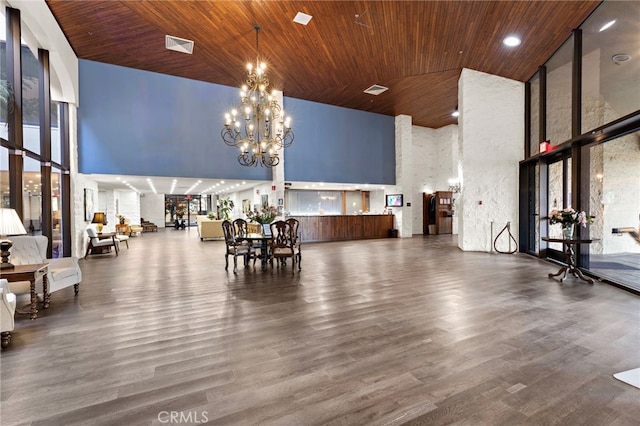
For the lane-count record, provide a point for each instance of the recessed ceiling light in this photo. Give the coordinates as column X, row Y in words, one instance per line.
column 607, row 25
column 512, row 41
column 620, row 57
column 302, row 18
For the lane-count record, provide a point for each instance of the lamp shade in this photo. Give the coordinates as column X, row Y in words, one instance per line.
column 99, row 217
column 10, row 223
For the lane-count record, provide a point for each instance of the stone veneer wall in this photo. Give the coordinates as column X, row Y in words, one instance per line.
column 404, row 176
column 435, row 161
column 491, row 139
column 152, row 208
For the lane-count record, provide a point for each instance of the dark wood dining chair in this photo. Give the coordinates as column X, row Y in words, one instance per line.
column 282, row 243
column 235, row 248
column 297, row 242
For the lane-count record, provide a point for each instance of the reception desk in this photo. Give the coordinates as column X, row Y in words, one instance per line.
column 340, row 228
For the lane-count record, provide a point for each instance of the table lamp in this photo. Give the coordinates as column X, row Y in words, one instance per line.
column 10, row 224
column 100, row 219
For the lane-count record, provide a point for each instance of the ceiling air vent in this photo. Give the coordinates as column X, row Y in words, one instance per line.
column 178, row 44
column 376, row 89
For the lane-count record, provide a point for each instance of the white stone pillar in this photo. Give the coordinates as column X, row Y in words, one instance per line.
column 491, row 125
column 277, row 177
column 404, row 175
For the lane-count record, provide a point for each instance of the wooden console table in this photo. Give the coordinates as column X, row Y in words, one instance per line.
column 30, row 273
column 571, row 264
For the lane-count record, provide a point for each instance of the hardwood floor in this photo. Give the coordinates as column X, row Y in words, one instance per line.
column 376, row 332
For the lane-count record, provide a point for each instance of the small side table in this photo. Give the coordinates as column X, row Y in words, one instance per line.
column 571, row 264
column 123, row 229
column 30, row 273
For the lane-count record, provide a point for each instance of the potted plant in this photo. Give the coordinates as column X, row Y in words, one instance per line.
column 226, row 206
column 211, row 215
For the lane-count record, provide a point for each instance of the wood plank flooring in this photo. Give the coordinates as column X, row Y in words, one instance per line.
column 377, row 332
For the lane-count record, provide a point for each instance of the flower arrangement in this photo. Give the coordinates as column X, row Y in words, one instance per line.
column 122, row 219
column 568, row 217
column 265, row 215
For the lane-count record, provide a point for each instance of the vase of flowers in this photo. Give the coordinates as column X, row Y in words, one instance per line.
column 569, row 218
column 265, row 215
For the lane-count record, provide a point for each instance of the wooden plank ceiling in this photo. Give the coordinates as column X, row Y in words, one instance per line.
column 416, row 48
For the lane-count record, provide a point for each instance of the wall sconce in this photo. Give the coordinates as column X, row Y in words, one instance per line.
column 454, row 185
column 599, row 177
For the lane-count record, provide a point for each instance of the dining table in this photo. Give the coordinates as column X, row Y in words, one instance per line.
column 252, row 238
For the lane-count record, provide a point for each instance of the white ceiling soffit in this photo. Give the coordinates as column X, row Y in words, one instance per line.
column 178, row 44
column 376, row 89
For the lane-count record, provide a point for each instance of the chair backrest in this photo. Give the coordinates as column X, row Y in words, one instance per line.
column 92, row 233
column 227, row 229
column 281, row 235
column 295, row 224
column 240, row 228
column 28, row 249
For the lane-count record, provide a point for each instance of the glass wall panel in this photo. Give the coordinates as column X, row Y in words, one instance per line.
column 32, row 196
column 30, row 101
column 56, row 144
column 56, row 211
column 559, row 69
column 534, row 134
column 5, row 191
column 559, row 195
column 4, row 87
column 556, row 200
column 300, row 203
column 614, row 200
column 611, row 81
column 354, row 202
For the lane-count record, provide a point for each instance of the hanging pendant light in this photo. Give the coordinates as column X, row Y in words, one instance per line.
column 256, row 126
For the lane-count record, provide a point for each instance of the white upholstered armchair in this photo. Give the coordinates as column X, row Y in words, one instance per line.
column 7, row 312
column 63, row 272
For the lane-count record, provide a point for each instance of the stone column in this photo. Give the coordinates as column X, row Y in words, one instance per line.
column 491, row 125
column 277, row 177
column 404, row 175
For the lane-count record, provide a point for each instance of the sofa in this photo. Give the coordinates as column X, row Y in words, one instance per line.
column 209, row 228
column 62, row 272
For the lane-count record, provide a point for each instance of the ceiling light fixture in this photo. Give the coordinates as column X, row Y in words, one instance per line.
column 620, row 57
column 512, row 41
column 607, row 25
column 255, row 127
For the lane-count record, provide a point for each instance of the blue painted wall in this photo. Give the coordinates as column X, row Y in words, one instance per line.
column 336, row 144
column 134, row 122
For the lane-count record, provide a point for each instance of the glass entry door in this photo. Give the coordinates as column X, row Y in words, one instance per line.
column 183, row 208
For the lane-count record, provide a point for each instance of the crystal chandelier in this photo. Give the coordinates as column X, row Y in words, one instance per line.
column 256, row 126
